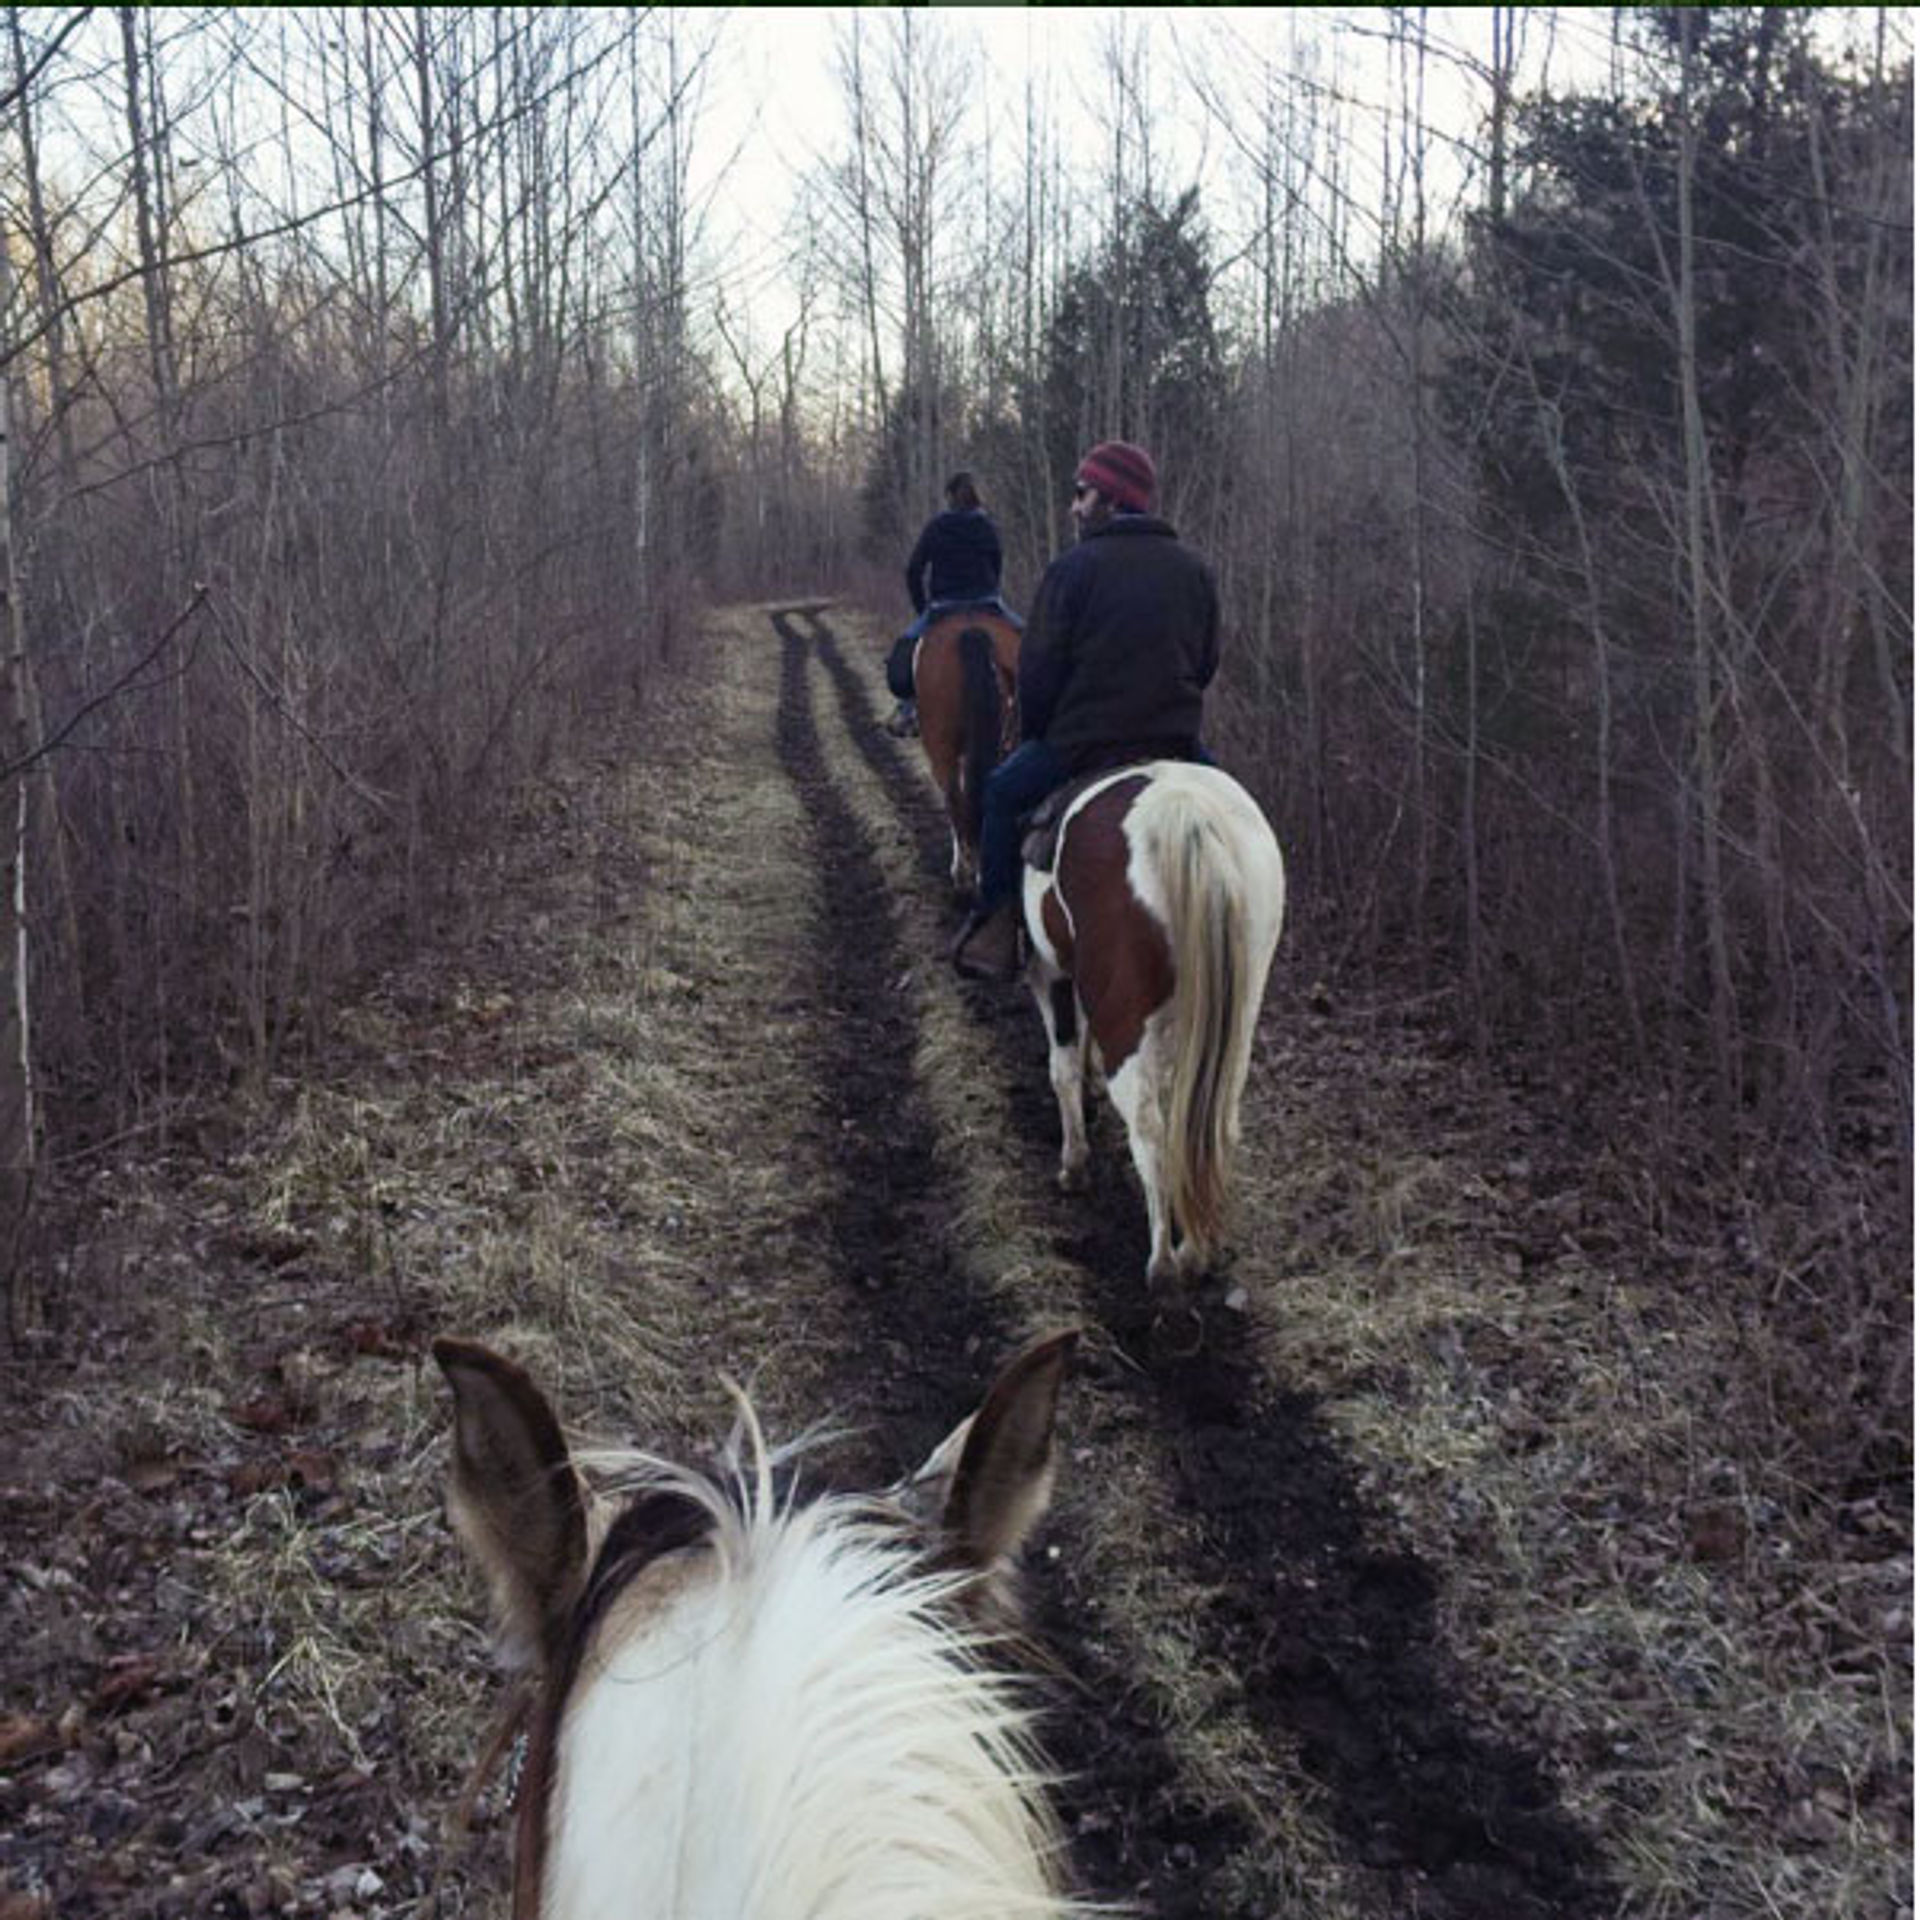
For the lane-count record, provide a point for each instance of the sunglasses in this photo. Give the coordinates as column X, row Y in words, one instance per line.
column 1082, row 490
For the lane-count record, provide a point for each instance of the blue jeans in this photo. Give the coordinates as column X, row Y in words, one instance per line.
column 1018, row 785
column 1015, row 787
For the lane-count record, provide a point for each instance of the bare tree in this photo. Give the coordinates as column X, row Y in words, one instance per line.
column 18, row 1123
column 895, row 192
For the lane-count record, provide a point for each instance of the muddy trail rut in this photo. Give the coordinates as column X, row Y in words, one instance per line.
column 1396, row 1578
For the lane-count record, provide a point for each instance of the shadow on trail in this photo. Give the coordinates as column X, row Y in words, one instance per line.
column 879, row 1137
column 1333, row 1635
column 937, row 1337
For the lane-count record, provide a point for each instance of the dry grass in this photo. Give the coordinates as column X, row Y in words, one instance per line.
column 1723, row 1687
column 532, row 1139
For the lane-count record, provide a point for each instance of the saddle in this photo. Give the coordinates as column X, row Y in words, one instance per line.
column 1040, row 829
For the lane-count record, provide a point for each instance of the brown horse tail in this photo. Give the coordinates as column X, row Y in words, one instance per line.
column 979, row 725
column 1211, row 1033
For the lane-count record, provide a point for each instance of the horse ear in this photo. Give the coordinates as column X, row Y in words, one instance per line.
column 514, row 1499
column 1004, row 1473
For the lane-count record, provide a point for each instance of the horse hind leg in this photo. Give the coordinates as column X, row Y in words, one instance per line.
column 1136, row 1092
column 1067, row 1069
column 963, row 869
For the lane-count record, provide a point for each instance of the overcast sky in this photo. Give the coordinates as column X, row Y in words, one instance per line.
column 772, row 117
column 773, row 107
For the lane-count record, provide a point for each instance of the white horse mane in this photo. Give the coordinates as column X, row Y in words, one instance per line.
column 797, row 1719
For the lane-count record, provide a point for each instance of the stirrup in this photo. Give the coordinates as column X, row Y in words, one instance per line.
column 1004, row 963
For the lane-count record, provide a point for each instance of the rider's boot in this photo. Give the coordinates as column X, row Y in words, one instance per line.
column 987, row 946
column 905, row 721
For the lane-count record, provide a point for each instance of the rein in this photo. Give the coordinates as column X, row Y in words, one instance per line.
column 509, row 1738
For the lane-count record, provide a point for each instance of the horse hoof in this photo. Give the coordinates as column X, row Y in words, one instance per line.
column 1073, row 1179
column 1180, row 1332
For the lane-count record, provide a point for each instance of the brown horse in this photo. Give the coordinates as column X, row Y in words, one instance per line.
column 964, row 675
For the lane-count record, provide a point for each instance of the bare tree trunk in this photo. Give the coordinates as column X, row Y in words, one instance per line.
column 1707, row 771
column 1042, row 487
column 432, row 189
column 660, row 327
column 856, row 83
column 375, row 91
column 1855, row 338
column 1470, row 835
column 1414, row 156
column 914, row 241
column 142, row 88
column 17, row 1119
column 46, row 279
column 64, row 953
column 1548, row 414
column 1505, row 23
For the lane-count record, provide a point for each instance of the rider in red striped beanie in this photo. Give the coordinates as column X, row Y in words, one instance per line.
column 1123, row 638
column 1123, row 472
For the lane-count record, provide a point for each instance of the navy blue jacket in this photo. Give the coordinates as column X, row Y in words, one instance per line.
column 957, row 557
column 1123, row 638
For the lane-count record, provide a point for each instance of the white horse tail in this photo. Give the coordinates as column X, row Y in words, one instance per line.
column 1219, row 976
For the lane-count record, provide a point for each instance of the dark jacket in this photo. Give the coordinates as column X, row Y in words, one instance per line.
column 1123, row 637
column 957, row 557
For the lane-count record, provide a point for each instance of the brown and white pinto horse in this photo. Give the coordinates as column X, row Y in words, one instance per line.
column 743, row 1704
column 964, row 675
column 1151, row 940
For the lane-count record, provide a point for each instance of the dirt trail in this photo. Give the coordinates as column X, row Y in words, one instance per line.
column 1345, row 1626
column 1324, row 1618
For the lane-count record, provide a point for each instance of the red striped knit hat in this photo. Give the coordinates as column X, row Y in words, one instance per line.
column 1123, row 472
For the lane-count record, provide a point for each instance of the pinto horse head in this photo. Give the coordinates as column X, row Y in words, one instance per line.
column 1152, row 938
column 964, row 673
column 748, row 1704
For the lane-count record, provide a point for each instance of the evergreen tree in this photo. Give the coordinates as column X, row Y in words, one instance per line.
column 1132, row 352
